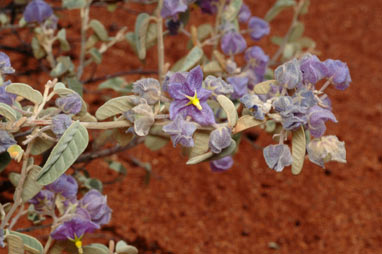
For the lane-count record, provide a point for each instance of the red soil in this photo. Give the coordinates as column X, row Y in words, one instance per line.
column 190, row 210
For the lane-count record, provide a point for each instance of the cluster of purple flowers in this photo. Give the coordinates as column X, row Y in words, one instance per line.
column 80, row 216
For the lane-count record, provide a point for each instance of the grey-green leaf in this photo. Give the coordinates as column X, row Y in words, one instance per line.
column 118, row 84
column 95, row 248
column 61, row 36
column 190, row 60
column 70, row 146
column 155, row 143
column 123, row 248
column 200, row 143
column 114, row 107
column 99, row 29
column 25, row 91
column 229, row 109
column 141, row 27
column 73, row 4
column 15, row 244
column 31, row 244
column 246, row 122
column 263, row 87
column 8, row 112
column 200, row 158
column 31, row 187
column 232, row 10
column 277, row 8
column 298, row 150
column 96, row 55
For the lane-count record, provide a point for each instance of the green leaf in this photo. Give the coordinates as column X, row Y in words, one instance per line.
column 210, row 156
column 277, row 8
column 212, row 67
column 31, row 244
column 297, row 31
column 73, row 4
column 41, row 145
column 31, row 187
column 15, row 244
column 61, row 36
column 25, row 91
column 201, row 140
column 200, row 158
column 123, row 248
column 118, row 84
column 141, row 26
column 70, row 146
column 38, row 51
column 277, row 40
column 64, row 65
column 154, row 143
column 246, row 122
column 263, row 87
column 114, row 107
column 229, row 109
column 190, row 60
column 96, row 248
column 96, row 55
column 94, row 183
column 5, row 159
column 298, row 150
column 232, row 10
column 118, row 167
column 62, row 91
column 8, row 112
column 99, row 29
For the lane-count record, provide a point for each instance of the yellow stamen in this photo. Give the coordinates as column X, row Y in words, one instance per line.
column 194, row 101
column 78, row 243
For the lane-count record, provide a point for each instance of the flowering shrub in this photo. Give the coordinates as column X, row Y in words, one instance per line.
column 203, row 103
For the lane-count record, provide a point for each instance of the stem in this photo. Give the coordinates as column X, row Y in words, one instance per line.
column 48, row 244
column 84, row 27
column 160, row 43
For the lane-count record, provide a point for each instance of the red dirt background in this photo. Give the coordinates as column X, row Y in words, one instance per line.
column 190, row 210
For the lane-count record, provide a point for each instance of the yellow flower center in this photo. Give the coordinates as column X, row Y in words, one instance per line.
column 78, row 243
column 194, row 101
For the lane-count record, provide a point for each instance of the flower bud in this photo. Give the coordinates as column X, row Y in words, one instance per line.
column 44, row 200
column 339, row 72
column 60, row 123
column 5, row 64
column 244, row 13
column 6, row 141
column 172, row 7
column 96, row 204
column 65, row 185
column 181, row 131
column 317, row 118
column 277, row 156
column 240, row 86
column 15, row 152
column 233, row 43
column 219, row 139
column 258, row 28
column 149, row 89
column 325, row 149
column 289, row 74
column 222, row 164
column 70, row 104
column 218, row 86
column 37, row 11
column 5, row 97
column 313, row 70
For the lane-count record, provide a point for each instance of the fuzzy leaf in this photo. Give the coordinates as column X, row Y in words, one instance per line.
column 41, row 145
column 246, row 122
column 232, row 10
column 190, row 60
column 118, row 167
column 25, row 91
column 95, row 55
column 200, row 158
column 212, row 67
column 114, row 107
column 99, row 29
column 96, row 248
column 141, row 27
column 31, row 187
column 263, row 87
column 118, row 84
column 70, row 146
column 73, row 4
column 155, row 143
column 15, row 244
column 8, row 112
column 123, row 248
column 229, row 109
column 298, row 150
column 38, row 51
column 277, row 8
column 297, row 31
column 201, row 143
column 61, row 36
column 31, row 244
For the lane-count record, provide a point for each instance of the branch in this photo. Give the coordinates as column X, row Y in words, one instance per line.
column 118, row 74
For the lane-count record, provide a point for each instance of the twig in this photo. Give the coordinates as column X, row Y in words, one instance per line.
column 118, row 74
column 160, row 43
column 84, row 27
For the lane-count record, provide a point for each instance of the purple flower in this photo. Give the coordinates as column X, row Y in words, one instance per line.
column 317, row 118
column 218, row 86
column 74, row 229
column 257, row 62
column 44, row 200
column 96, row 205
column 222, row 164
column 37, row 11
column 233, row 43
column 292, row 113
column 339, row 72
column 208, row 6
column 289, row 74
column 244, row 13
column 6, row 141
column 148, row 89
column 219, row 139
column 51, row 22
column 181, row 131
column 5, row 64
column 5, row 97
column 255, row 105
column 60, row 123
column 172, row 7
column 171, row 77
column 190, row 99
column 313, row 70
column 65, row 185
column 70, row 104
column 258, row 28
column 240, row 86
column 277, row 156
